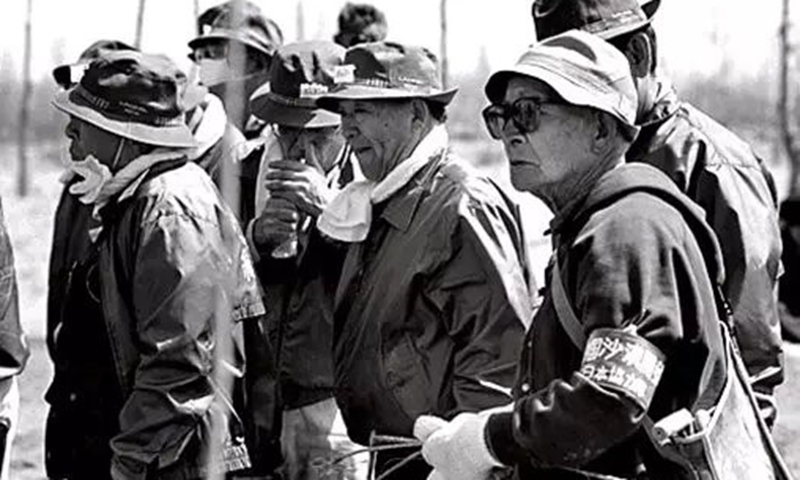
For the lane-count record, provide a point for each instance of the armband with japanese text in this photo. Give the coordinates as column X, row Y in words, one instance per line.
column 624, row 362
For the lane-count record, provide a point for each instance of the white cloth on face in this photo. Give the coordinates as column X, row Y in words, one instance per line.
column 349, row 216
column 272, row 152
column 124, row 182
column 207, row 124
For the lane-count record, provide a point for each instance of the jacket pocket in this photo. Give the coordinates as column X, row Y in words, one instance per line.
column 408, row 380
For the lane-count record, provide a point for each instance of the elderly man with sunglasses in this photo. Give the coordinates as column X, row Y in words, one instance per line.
column 629, row 329
column 711, row 164
column 298, row 267
column 433, row 300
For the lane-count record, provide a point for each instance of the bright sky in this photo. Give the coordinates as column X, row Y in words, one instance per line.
column 695, row 36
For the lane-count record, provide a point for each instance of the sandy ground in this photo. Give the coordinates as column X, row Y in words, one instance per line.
column 29, row 222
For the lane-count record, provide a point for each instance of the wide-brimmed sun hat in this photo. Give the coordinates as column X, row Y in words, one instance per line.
column 133, row 95
column 68, row 74
column 301, row 73
column 248, row 26
column 583, row 69
column 389, row 71
column 604, row 18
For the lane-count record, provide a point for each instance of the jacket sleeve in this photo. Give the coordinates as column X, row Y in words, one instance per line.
column 13, row 348
column 741, row 209
column 484, row 298
column 181, row 287
column 642, row 268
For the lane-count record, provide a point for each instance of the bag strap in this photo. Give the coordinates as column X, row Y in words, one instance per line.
column 566, row 315
column 574, row 329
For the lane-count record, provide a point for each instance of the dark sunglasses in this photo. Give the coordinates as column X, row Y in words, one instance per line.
column 523, row 112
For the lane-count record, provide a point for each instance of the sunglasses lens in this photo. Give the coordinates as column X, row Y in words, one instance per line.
column 494, row 117
column 526, row 115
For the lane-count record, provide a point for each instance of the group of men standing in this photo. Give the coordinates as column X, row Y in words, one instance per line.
column 368, row 288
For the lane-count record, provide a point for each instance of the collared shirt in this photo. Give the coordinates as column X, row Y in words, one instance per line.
column 431, row 307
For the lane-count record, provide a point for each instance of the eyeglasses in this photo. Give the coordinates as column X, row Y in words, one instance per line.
column 525, row 113
column 211, row 51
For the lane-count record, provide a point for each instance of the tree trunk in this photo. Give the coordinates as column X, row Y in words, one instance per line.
column 300, row 18
column 139, row 25
column 788, row 132
column 443, row 44
column 24, row 110
column 197, row 17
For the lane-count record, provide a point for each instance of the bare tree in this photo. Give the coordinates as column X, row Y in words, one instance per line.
column 788, row 132
column 24, row 110
column 443, row 44
column 197, row 17
column 300, row 18
column 139, row 24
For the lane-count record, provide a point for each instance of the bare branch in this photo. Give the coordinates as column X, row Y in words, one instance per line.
column 24, row 111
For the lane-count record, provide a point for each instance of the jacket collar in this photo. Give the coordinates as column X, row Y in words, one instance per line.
column 665, row 105
column 400, row 208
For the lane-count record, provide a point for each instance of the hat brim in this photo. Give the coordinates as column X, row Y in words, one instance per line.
column 272, row 112
column 364, row 92
column 221, row 36
column 301, row 116
column 65, row 75
column 611, row 33
column 566, row 88
column 176, row 136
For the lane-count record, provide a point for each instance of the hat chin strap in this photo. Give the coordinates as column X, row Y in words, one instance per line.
column 117, row 154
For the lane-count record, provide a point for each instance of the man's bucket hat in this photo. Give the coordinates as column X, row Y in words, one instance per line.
column 604, row 18
column 583, row 69
column 133, row 95
column 68, row 74
column 301, row 72
column 389, row 71
column 249, row 26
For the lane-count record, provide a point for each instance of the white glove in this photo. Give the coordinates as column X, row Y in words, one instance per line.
column 458, row 451
column 435, row 475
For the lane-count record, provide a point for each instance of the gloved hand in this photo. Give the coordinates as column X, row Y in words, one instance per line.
column 456, row 450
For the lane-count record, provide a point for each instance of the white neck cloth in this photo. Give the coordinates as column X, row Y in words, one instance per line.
column 349, row 216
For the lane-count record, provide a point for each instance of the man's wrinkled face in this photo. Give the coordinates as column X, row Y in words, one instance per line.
column 318, row 147
column 86, row 139
column 379, row 133
column 543, row 159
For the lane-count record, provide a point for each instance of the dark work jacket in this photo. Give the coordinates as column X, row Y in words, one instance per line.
column 72, row 220
column 173, row 264
column 722, row 174
column 636, row 260
column 300, row 293
column 431, row 307
column 222, row 154
column 13, row 348
column 70, row 245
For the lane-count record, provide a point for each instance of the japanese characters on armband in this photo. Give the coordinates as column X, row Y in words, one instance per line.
column 621, row 360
